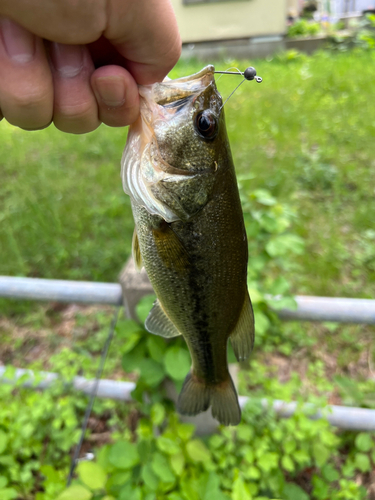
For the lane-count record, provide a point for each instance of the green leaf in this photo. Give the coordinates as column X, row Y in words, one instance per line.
column 177, row 362
column 284, row 244
column 268, row 461
column 185, row 431
column 130, row 342
column 320, row 453
column 161, row 468
column 126, row 327
column 156, row 347
column 256, row 295
column 92, row 475
column 3, row 481
column 3, row 441
column 321, row 488
column 262, row 322
column 293, row 492
column 212, row 489
column 330, row 473
column 157, row 414
column 240, row 490
column 178, row 463
column 144, row 306
column 130, row 492
column 77, row 492
column 245, row 433
column 167, row 445
column 287, row 463
column 364, row 441
column 216, row 441
column 198, row 451
column 151, row 372
column 150, row 479
column 253, row 472
column 8, row 494
column 123, row 455
column 263, row 197
column 362, row 462
column 173, row 496
column 144, row 449
column 131, row 361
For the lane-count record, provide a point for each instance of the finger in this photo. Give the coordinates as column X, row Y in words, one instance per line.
column 75, row 106
column 146, row 34
column 1, row 115
column 26, row 91
column 117, row 96
column 66, row 21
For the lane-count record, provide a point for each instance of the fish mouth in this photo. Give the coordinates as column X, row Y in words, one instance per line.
column 170, row 91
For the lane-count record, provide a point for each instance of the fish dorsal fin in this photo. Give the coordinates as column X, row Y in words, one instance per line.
column 136, row 251
column 158, row 323
column 242, row 337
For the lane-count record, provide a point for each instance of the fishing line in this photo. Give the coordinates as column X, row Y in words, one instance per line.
column 90, row 405
column 249, row 74
column 226, row 72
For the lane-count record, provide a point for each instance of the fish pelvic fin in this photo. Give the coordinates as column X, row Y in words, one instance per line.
column 136, row 251
column 158, row 323
column 196, row 396
column 242, row 337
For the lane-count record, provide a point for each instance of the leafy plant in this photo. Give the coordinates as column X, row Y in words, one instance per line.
column 302, row 27
column 263, row 458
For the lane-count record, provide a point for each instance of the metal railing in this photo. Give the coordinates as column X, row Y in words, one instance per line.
column 136, row 285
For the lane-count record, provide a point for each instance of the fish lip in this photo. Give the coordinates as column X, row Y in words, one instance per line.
column 170, row 91
column 207, row 70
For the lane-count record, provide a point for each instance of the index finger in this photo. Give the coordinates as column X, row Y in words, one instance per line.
column 146, row 34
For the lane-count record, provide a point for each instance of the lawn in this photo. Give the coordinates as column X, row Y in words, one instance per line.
column 304, row 150
column 305, row 134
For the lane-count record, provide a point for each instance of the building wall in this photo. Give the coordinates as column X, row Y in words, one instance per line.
column 230, row 19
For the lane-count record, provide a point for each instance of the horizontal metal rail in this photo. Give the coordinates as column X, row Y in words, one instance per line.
column 341, row 310
column 343, row 417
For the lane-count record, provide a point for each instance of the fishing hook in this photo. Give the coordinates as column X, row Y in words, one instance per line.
column 249, row 74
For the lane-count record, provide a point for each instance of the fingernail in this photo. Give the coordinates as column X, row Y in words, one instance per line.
column 18, row 42
column 67, row 59
column 111, row 90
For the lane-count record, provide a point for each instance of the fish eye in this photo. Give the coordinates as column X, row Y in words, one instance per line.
column 206, row 124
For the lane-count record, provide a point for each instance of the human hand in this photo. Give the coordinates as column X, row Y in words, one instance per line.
column 78, row 63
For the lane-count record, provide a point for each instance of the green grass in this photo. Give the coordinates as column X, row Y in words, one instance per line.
column 306, row 134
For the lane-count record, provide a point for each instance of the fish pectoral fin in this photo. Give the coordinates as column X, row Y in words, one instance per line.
column 196, row 396
column 170, row 248
column 136, row 251
column 242, row 337
column 158, row 323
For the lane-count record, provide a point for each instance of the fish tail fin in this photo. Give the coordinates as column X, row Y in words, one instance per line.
column 224, row 401
column 196, row 396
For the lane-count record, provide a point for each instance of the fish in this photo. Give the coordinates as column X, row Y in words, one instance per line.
column 190, row 235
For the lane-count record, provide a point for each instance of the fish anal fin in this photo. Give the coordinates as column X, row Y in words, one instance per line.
column 196, row 396
column 242, row 337
column 158, row 323
column 136, row 251
column 170, row 249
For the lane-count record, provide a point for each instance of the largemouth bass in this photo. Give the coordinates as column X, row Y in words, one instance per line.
column 189, row 234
